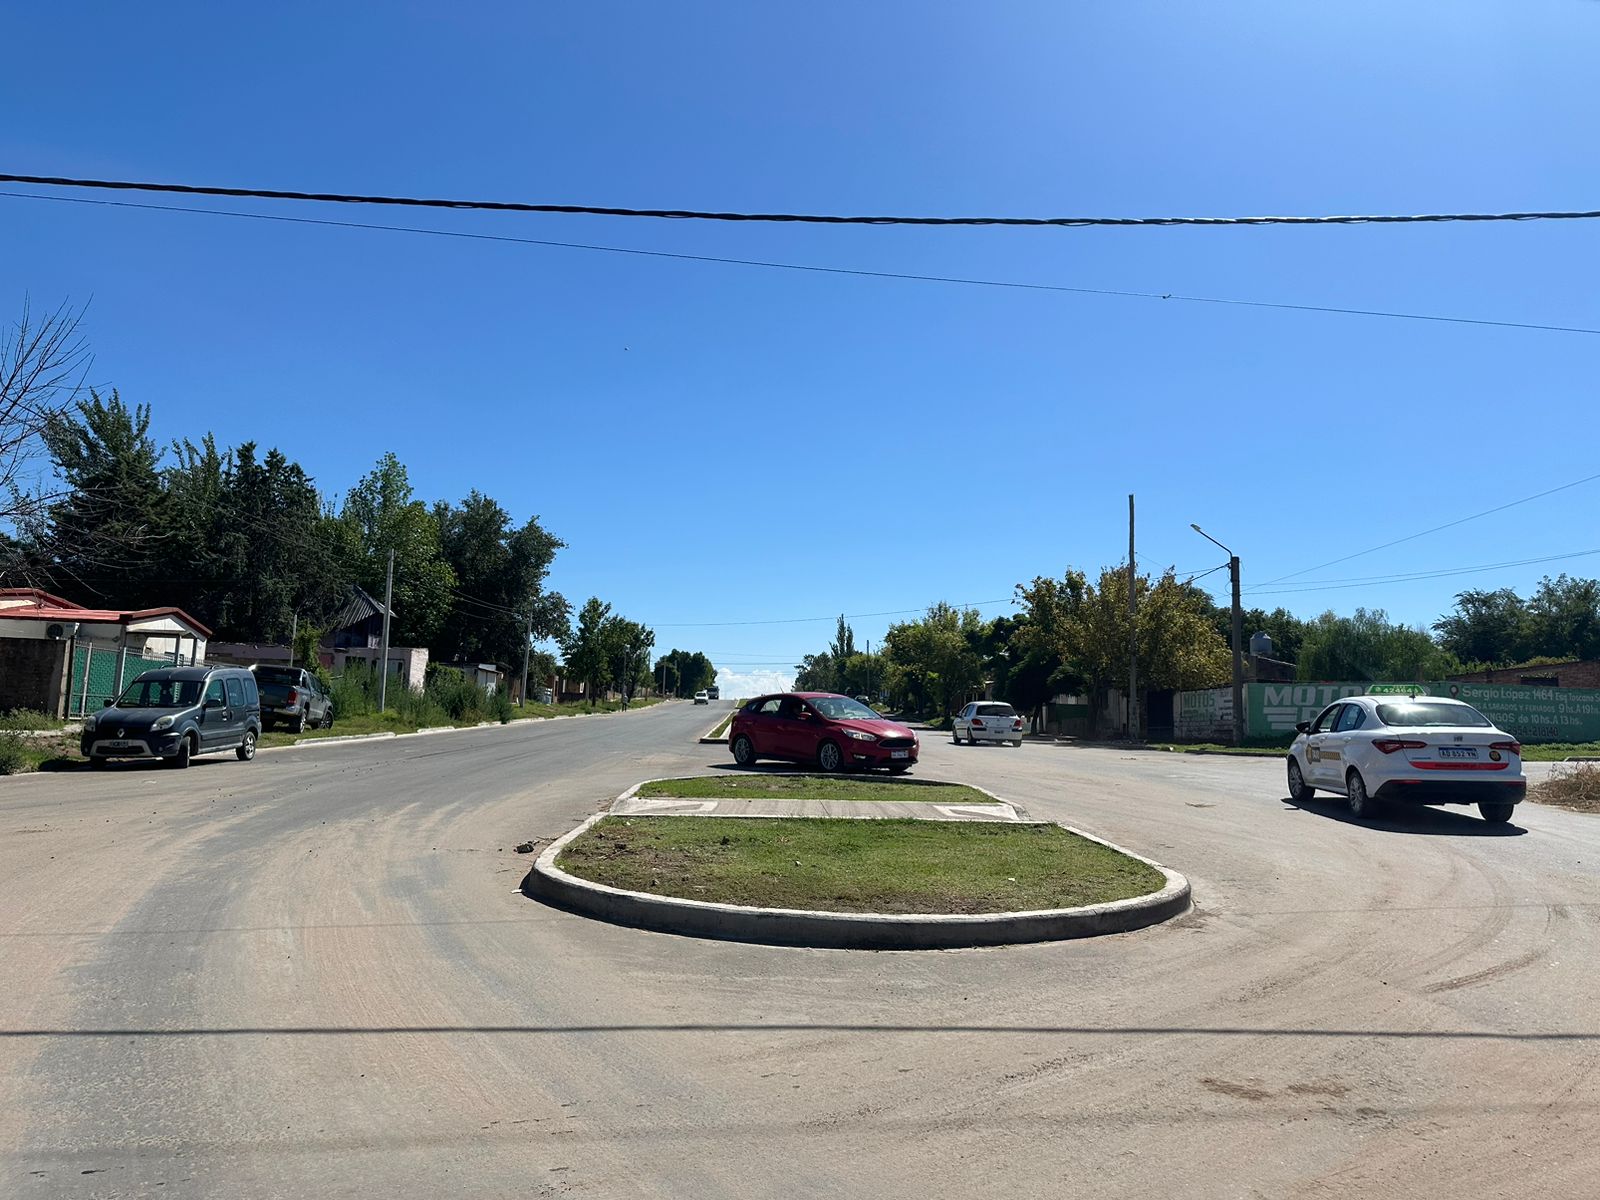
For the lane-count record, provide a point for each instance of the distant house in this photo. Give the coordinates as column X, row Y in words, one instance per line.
column 63, row 658
column 355, row 634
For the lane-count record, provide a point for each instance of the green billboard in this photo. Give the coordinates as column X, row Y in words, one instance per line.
column 1533, row 714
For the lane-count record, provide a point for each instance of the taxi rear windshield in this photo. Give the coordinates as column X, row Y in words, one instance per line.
column 995, row 710
column 1421, row 713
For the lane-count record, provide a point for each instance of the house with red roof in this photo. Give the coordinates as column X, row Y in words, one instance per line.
column 63, row 658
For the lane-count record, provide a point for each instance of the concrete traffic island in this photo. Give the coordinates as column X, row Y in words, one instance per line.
column 733, row 848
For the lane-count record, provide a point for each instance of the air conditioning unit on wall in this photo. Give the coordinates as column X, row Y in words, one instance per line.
column 57, row 632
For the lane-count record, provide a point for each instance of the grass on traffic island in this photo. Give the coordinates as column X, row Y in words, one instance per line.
column 722, row 726
column 811, row 787
column 891, row 866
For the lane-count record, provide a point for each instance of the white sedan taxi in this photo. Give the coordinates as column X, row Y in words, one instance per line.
column 1418, row 749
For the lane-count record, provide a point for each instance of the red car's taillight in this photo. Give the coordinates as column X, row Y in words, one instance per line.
column 1508, row 747
column 1390, row 745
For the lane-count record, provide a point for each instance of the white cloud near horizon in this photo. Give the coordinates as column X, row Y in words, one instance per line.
column 736, row 685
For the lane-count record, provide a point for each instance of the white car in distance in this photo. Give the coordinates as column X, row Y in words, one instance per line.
column 702, row 697
column 986, row 721
column 1418, row 749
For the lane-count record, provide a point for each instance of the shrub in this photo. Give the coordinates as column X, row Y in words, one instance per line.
column 26, row 718
column 1576, row 787
column 13, row 754
column 501, row 703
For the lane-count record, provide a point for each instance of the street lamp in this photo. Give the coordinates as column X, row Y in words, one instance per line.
column 1238, row 638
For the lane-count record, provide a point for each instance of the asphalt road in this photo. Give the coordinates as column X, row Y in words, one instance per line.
column 313, row 975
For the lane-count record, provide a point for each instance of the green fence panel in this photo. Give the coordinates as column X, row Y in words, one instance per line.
column 103, row 676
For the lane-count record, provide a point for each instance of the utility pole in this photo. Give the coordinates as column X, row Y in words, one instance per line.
column 527, row 650
column 383, row 667
column 294, row 632
column 1133, row 634
column 1238, row 638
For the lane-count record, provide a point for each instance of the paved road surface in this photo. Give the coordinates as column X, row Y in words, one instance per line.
column 314, row 976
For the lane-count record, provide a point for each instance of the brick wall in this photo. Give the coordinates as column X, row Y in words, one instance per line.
column 1567, row 675
column 33, row 674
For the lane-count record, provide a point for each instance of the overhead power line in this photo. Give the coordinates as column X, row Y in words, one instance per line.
column 688, row 214
column 816, row 269
column 895, row 612
column 1411, row 537
column 1413, row 576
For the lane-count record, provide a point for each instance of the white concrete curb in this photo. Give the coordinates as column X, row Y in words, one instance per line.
column 847, row 931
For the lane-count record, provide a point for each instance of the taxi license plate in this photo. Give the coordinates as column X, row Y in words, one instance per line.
column 899, row 754
column 1457, row 752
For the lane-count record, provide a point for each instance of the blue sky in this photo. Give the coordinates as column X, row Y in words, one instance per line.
column 723, row 443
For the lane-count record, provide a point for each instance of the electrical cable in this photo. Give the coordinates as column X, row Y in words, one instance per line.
column 768, row 264
column 1411, row 537
column 1412, row 577
column 684, row 214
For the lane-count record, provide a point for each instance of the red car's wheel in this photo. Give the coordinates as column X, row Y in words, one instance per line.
column 744, row 751
column 829, row 757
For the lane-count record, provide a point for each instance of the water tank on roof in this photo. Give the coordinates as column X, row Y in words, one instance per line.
column 1261, row 645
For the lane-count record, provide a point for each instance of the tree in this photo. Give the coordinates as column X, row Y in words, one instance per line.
column 103, row 535
column 1367, row 646
column 588, row 655
column 500, row 573
column 41, row 368
column 932, row 663
column 815, row 673
column 1083, row 626
column 686, row 673
column 1487, row 627
column 628, row 646
column 844, row 642
column 380, row 515
column 1564, row 616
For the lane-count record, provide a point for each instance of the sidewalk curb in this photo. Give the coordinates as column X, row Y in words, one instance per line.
column 847, row 931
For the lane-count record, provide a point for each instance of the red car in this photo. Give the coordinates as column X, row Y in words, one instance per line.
column 835, row 732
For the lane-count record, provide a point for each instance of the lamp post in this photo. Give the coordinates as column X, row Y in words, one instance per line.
column 1238, row 638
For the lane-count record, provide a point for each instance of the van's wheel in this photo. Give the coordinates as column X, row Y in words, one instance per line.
column 247, row 748
column 1299, row 791
column 1496, row 814
column 1361, row 804
column 830, row 758
column 744, row 751
column 180, row 760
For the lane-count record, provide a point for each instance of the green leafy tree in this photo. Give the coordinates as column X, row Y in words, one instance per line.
column 932, row 663
column 686, row 672
column 1368, row 646
column 1564, row 615
column 627, row 648
column 1084, row 626
column 1488, row 627
column 380, row 514
column 588, row 654
column 105, row 536
column 500, row 573
column 815, row 673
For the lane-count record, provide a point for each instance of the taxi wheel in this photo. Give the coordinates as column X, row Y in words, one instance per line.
column 1361, row 804
column 1496, row 814
column 1298, row 791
